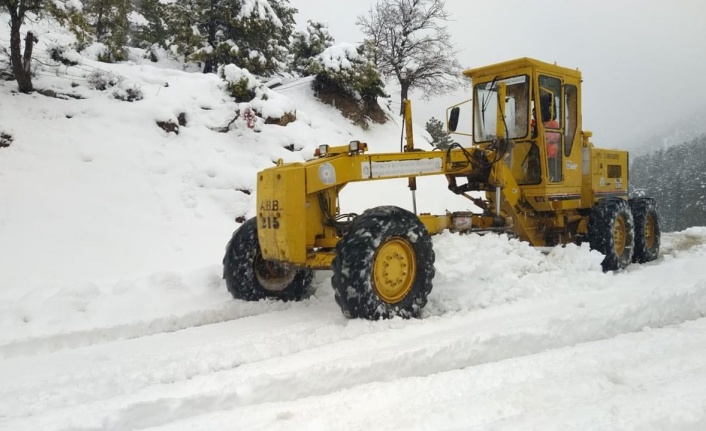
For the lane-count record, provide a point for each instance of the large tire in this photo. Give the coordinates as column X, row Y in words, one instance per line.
column 250, row 277
column 384, row 265
column 611, row 232
column 647, row 230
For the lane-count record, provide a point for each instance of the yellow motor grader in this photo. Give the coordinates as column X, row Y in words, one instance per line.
column 542, row 178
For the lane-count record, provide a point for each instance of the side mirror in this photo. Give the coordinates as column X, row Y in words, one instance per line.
column 453, row 118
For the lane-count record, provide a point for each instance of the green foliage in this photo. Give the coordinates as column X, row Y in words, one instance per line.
column 359, row 80
column 154, row 31
column 439, row 138
column 308, row 44
column 109, row 24
column 257, row 35
column 676, row 178
column 220, row 32
column 104, row 21
column 182, row 19
column 368, row 84
column 74, row 20
column 241, row 90
column 214, row 32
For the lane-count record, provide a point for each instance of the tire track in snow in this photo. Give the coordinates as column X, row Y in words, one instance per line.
column 144, row 328
column 414, row 350
column 120, row 368
column 333, row 368
column 598, row 385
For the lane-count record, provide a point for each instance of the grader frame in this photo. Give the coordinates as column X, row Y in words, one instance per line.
column 542, row 195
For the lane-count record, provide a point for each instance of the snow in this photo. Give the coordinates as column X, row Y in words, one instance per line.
column 260, row 9
column 114, row 315
column 138, row 19
column 338, row 57
column 269, row 103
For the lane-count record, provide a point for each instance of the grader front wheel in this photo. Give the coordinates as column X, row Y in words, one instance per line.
column 384, row 265
column 250, row 277
column 394, row 269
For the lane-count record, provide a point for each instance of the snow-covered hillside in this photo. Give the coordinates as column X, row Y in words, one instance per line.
column 113, row 313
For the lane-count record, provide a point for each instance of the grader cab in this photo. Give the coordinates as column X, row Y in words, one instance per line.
column 539, row 176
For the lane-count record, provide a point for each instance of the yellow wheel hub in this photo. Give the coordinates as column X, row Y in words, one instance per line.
column 394, row 270
column 619, row 236
column 650, row 231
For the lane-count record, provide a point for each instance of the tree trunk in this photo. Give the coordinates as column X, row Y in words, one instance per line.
column 209, row 62
column 208, row 65
column 30, row 39
column 404, row 93
column 20, row 68
column 100, row 30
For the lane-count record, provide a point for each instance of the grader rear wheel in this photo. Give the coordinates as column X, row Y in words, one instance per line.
column 647, row 229
column 384, row 265
column 611, row 232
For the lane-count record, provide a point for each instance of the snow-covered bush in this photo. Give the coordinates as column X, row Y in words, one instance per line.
column 343, row 69
column 306, row 45
column 242, row 90
column 102, row 80
column 252, row 94
column 62, row 54
column 127, row 91
column 129, row 94
column 5, row 139
column 347, row 80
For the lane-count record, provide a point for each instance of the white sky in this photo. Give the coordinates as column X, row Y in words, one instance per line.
column 642, row 60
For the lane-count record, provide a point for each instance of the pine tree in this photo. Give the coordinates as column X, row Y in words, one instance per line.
column 264, row 40
column 108, row 20
column 183, row 20
column 676, row 178
column 72, row 17
column 439, row 138
column 253, row 35
column 344, row 70
column 308, row 44
column 154, row 30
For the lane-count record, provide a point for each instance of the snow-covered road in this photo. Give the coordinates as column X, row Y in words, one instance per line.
column 625, row 352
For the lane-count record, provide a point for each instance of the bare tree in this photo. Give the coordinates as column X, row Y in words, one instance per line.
column 21, row 62
column 408, row 40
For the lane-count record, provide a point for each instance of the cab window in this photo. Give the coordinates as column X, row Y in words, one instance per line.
column 485, row 106
column 550, row 101
column 571, row 120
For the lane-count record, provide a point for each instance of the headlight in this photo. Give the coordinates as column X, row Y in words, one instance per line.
column 321, row 151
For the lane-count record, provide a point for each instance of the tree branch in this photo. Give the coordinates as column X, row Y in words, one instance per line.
column 412, row 44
